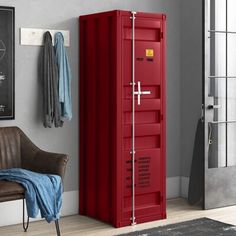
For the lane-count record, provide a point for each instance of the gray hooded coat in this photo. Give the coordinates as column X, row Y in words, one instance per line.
column 52, row 112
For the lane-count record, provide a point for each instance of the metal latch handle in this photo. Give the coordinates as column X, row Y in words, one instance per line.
column 140, row 92
column 214, row 106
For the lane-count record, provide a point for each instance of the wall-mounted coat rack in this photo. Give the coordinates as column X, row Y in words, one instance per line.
column 31, row 36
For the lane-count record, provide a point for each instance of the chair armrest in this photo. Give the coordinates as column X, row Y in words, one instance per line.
column 37, row 160
column 47, row 163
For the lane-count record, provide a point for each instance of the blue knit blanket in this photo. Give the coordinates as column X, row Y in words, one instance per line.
column 42, row 191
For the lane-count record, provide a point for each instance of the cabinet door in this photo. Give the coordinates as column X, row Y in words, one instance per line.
column 149, row 133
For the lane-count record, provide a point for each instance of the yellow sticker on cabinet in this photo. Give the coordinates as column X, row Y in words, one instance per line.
column 149, row 52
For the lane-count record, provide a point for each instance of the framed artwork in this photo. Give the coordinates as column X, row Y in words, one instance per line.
column 7, row 63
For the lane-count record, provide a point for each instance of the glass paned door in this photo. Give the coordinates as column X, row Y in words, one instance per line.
column 220, row 103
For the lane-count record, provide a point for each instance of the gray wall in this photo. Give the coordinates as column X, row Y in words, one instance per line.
column 62, row 14
column 191, row 77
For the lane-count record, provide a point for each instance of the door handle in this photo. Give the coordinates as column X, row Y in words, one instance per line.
column 214, row 106
column 140, row 92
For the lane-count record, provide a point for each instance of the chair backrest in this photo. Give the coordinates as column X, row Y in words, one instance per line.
column 10, row 154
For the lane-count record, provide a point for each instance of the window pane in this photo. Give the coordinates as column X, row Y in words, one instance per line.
column 217, row 54
column 218, row 15
column 231, row 100
column 232, row 54
column 218, row 92
column 231, row 15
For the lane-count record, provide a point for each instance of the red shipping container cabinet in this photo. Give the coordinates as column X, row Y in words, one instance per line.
column 122, row 117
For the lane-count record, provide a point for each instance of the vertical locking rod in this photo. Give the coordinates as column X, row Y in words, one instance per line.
column 133, row 118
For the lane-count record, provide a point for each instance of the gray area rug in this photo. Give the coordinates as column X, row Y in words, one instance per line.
column 198, row 227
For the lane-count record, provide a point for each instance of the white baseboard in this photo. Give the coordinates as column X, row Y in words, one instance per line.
column 184, row 187
column 177, row 187
column 172, row 187
column 70, row 203
column 12, row 211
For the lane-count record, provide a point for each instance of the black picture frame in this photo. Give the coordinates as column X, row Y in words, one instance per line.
column 7, row 63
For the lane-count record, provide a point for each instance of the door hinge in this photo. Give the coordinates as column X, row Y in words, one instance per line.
column 164, row 16
column 202, row 112
column 162, row 35
column 161, row 198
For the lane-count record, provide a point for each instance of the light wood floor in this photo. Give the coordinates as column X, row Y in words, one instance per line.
column 178, row 210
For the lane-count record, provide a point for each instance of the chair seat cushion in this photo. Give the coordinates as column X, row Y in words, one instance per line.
column 10, row 188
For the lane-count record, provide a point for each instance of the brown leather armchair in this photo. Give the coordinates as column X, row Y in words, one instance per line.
column 17, row 151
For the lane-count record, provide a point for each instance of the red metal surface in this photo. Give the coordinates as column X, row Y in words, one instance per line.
column 105, row 117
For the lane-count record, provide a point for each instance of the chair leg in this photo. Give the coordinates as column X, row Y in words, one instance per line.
column 25, row 225
column 57, row 228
